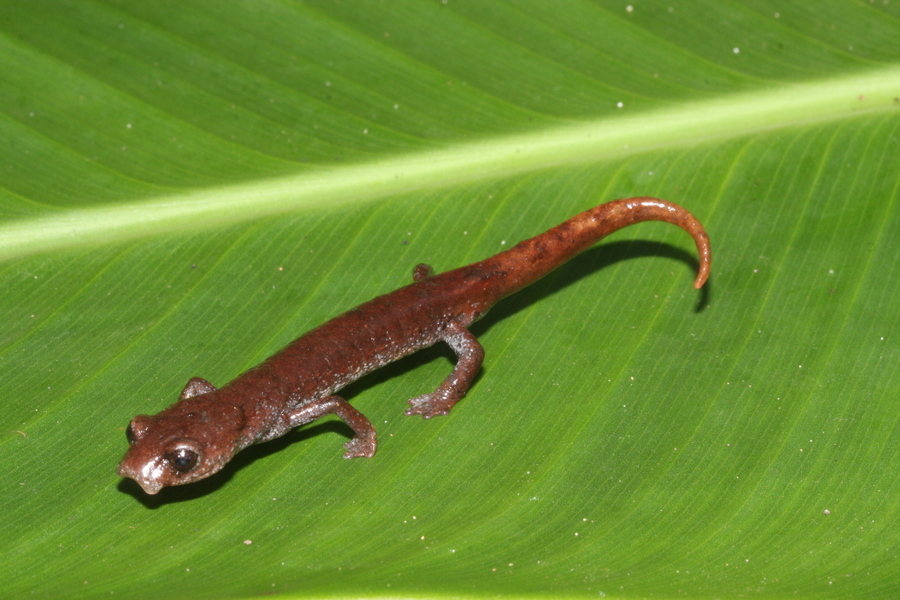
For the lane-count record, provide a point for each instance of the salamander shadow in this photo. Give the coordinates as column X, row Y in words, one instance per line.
column 584, row 265
column 183, row 493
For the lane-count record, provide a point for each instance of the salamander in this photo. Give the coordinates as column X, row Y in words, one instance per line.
column 207, row 426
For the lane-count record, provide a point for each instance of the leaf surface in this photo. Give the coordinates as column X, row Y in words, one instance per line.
column 186, row 187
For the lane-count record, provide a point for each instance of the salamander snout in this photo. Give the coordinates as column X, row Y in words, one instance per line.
column 154, row 468
column 156, row 459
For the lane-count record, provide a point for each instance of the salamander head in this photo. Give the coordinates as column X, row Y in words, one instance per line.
column 189, row 441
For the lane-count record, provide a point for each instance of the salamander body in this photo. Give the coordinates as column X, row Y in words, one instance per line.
column 199, row 434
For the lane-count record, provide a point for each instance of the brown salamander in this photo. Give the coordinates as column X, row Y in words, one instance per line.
column 197, row 435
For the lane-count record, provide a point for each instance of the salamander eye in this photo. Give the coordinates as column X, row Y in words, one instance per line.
column 129, row 435
column 182, row 459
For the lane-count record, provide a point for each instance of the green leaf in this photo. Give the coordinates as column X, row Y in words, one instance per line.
column 186, row 187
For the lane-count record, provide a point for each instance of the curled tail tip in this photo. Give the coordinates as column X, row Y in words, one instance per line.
column 705, row 265
column 691, row 225
column 702, row 276
column 663, row 210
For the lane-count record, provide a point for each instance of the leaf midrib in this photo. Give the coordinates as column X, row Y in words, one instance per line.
column 686, row 124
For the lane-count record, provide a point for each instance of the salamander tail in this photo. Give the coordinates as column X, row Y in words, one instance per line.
column 531, row 259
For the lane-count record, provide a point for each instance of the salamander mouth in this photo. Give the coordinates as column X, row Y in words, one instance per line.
column 148, row 483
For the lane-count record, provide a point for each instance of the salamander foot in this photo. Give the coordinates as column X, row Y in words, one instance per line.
column 429, row 405
column 361, row 447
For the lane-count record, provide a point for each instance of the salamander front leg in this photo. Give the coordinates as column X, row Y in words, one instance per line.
column 470, row 355
column 363, row 443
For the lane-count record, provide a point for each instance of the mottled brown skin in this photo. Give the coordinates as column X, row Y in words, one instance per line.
column 197, row 435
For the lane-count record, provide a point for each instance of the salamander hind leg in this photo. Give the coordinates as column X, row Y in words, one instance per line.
column 363, row 443
column 422, row 271
column 470, row 355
